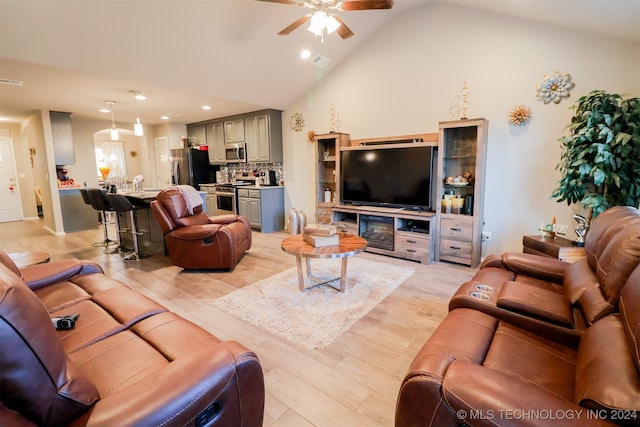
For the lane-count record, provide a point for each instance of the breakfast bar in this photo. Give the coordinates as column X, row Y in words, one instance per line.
column 150, row 237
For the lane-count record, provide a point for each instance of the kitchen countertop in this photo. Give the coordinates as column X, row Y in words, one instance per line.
column 260, row 187
column 147, row 194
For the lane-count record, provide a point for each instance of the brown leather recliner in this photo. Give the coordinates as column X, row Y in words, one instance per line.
column 537, row 292
column 476, row 369
column 197, row 241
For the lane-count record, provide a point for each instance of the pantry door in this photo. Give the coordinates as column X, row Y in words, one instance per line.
column 10, row 201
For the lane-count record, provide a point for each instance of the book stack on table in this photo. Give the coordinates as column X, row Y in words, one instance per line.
column 320, row 235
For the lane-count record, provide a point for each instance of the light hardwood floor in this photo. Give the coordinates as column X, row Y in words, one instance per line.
column 353, row 382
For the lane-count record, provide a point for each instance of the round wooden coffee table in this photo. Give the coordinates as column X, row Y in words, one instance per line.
column 347, row 246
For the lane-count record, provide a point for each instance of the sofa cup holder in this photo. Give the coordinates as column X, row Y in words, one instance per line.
column 480, row 296
column 484, row 288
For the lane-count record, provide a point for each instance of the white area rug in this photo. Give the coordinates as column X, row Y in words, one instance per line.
column 316, row 317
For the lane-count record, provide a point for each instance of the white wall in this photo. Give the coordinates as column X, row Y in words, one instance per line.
column 408, row 77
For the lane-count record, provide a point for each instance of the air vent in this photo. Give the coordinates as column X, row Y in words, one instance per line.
column 320, row 61
column 11, row 82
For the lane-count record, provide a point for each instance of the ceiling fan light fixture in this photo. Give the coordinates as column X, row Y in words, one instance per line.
column 317, row 23
column 320, row 22
column 332, row 24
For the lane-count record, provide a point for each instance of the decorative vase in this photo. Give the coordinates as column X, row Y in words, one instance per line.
column 302, row 222
column 293, row 222
column 104, row 171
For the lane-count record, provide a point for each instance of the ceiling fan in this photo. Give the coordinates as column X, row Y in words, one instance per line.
column 322, row 14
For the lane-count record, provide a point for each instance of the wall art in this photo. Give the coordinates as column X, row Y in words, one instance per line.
column 554, row 87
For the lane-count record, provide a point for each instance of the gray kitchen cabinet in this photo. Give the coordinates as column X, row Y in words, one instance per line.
column 234, row 130
column 264, row 207
column 198, row 133
column 263, row 135
column 63, row 151
column 215, row 141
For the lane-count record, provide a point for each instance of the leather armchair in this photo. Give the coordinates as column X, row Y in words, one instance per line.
column 545, row 294
column 197, row 241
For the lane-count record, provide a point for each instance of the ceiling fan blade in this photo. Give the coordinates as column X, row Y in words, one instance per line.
column 294, row 26
column 289, row 2
column 366, row 4
column 343, row 31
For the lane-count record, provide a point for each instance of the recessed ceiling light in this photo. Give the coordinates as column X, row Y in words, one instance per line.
column 105, row 110
column 305, row 54
column 164, row 117
column 140, row 97
column 206, row 107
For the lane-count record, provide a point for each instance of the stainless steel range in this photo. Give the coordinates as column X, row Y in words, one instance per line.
column 225, row 197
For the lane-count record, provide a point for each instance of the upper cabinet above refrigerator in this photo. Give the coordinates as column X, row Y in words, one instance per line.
column 64, row 153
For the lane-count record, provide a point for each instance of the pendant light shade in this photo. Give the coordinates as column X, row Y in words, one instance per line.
column 114, row 130
column 137, row 126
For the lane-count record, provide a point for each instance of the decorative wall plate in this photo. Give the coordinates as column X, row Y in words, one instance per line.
column 297, row 122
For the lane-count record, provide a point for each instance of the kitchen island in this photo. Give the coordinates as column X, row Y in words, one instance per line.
column 150, row 237
column 76, row 214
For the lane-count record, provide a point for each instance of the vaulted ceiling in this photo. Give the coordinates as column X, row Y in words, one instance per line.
column 74, row 55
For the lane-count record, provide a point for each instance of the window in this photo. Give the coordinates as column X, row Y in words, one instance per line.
column 110, row 154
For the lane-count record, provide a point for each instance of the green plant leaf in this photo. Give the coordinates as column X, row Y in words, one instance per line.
column 600, row 158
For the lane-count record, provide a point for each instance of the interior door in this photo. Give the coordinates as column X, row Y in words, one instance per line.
column 163, row 166
column 10, row 201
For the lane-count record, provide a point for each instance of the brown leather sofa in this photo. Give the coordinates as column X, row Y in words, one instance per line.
column 197, row 241
column 563, row 299
column 478, row 370
column 550, row 343
column 127, row 361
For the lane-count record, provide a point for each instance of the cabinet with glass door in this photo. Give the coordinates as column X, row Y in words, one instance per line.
column 461, row 171
column 328, row 168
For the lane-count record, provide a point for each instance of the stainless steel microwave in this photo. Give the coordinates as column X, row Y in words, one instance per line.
column 236, row 152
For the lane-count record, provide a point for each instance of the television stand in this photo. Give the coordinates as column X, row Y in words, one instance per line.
column 389, row 231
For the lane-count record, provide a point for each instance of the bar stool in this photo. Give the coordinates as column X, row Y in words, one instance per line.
column 95, row 198
column 120, row 203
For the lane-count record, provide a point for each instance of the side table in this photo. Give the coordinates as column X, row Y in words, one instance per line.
column 559, row 248
column 25, row 259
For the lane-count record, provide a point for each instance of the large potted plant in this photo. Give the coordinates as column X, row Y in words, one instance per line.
column 600, row 161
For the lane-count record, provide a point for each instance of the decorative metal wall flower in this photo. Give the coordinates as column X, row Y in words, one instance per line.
column 311, row 136
column 555, row 87
column 519, row 115
column 297, row 122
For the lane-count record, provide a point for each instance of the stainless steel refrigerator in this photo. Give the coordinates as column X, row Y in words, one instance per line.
column 191, row 167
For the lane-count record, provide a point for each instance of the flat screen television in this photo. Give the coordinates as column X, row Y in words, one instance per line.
column 387, row 175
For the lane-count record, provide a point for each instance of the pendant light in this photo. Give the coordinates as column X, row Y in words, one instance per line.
column 114, row 130
column 137, row 126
